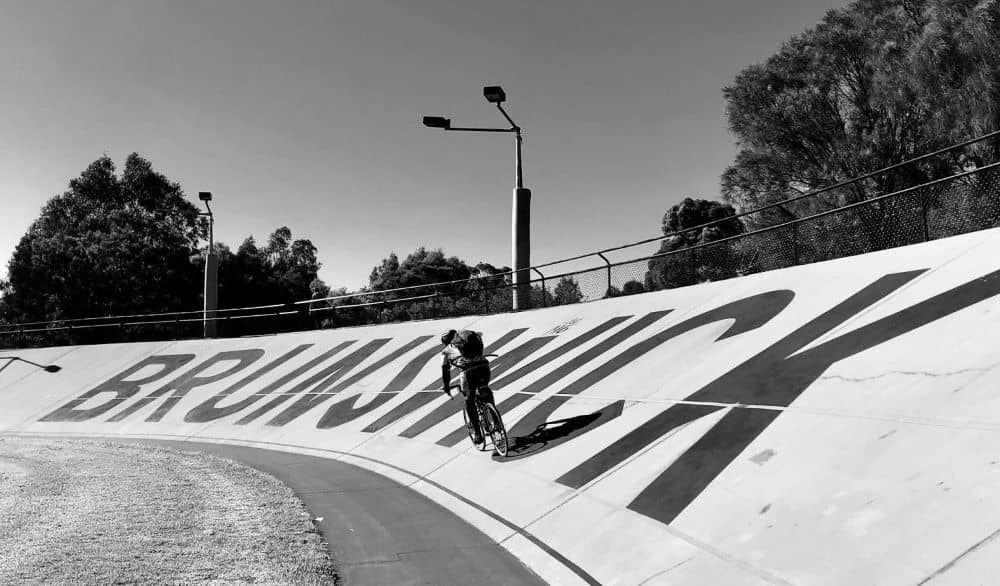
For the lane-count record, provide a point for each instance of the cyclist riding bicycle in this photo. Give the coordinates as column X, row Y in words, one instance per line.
column 463, row 349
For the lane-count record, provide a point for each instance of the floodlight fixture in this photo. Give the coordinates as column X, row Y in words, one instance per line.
column 494, row 94
column 437, row 122
column 205, row 195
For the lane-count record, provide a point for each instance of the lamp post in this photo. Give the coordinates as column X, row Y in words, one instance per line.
column 521, row 204
column 210, row 296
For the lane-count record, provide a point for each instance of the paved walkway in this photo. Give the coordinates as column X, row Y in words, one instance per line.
column 379, row 531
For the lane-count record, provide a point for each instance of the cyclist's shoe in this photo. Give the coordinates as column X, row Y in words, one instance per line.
column 477, row 438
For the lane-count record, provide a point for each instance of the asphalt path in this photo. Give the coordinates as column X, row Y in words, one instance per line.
column 379, row 531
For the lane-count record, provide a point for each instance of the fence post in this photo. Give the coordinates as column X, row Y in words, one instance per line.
column 607, row 262
column 923, row 212
column 434, row 303
column 694, row 271
column 486, row 297
column 545, row 302
column 795, row 244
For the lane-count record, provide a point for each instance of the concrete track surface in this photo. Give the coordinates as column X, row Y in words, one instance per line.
column 834, row 423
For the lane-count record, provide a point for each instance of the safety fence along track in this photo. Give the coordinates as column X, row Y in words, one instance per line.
column 768, row 238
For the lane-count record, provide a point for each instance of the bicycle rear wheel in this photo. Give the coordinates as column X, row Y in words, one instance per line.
column 498, row 433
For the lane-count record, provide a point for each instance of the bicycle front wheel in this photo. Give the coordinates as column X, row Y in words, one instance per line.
column 468, row 426
column 472, row 433
column 498, row 433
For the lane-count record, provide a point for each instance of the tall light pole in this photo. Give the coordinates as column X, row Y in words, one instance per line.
column 521, row 205
column 211, row 292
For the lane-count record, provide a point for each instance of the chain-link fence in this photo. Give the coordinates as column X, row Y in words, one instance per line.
column 963, row 203
column 954, row 205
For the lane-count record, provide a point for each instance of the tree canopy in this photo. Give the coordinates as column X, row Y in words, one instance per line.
column 680, row 221
column 421, row 267
column 566, row 291
column 282, row 271
column 107, row 245
column 463, row 289
column 873, row 84
column 134, row 244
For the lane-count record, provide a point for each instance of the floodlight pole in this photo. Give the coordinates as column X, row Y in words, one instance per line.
column 210, row 295
column 520, row 226
column 517, row 147
column 521, row 204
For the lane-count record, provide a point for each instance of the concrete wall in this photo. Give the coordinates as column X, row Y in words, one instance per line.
column 834, row 423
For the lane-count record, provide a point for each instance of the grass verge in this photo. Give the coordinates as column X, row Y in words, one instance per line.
column 97, row 512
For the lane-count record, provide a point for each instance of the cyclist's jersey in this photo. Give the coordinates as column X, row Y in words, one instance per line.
column 469, row 343
column 465, row 350
column 475, row 371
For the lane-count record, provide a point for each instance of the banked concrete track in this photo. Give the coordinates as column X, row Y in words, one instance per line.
column 835, row 423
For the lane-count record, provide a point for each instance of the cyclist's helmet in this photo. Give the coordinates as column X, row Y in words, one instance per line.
column 447, row 337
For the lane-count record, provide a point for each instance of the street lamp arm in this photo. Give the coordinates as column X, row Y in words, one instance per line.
column 483, row 129
column 513, row 124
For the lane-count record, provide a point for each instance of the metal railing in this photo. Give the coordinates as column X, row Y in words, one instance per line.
column 759, row 216
column 957, row 204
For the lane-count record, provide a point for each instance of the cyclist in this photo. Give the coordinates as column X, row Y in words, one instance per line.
column 464, row 350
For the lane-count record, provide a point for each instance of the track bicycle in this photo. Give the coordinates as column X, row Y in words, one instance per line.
column 490, row 423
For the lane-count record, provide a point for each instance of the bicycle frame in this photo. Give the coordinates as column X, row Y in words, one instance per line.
column 490, row 424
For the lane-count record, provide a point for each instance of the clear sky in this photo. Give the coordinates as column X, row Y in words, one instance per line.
column 307, row 113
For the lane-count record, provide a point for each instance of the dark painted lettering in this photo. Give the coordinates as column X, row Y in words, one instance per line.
column 189, row 380
column 318, row 381
column 500, row 382
column 122, row 388
column 449, row 408
column 747, row 314
column 418, row 400
column 344, row 411
column 565, row 370
column 313, row 400
column 776, row 378
column 210, row 411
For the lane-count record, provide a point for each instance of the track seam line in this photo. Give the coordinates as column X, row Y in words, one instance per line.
column 965, row 553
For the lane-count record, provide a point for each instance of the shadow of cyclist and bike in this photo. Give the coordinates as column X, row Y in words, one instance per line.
column 552, row 433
